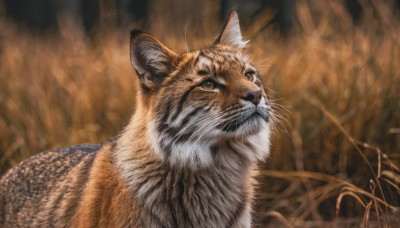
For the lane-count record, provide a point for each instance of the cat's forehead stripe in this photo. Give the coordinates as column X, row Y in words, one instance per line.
column 213, row 59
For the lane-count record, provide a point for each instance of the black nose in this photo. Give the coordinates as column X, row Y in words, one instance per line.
column 253, row 96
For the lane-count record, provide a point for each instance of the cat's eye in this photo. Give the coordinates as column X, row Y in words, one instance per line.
column 208, row 84
column 250, row 75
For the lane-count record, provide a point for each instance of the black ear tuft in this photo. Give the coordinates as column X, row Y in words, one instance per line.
column 135, row 32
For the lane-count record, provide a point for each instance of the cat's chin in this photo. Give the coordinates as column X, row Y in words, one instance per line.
column 253, row 141
column 254, row 125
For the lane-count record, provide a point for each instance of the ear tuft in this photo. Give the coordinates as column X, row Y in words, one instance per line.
column 231, row 34
column 150, row 58
column 136, row 32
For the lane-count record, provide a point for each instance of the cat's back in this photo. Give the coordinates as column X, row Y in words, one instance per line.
column 44, row 181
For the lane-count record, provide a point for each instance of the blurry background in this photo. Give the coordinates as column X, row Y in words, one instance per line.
column 332, row 69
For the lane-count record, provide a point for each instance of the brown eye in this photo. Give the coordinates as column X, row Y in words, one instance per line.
column 250, row 75
column 208, row 85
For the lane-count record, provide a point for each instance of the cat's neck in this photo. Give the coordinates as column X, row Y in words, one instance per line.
column 221, row 192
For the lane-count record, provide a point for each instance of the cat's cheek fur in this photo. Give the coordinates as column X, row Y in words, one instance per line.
column 195, row 154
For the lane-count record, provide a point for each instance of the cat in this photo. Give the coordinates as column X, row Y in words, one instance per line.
column 187, row 158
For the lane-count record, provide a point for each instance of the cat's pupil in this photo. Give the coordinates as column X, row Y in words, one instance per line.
column 250, row 76
column 208, row 85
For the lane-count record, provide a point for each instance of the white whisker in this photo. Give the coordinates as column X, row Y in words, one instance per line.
column 187, row 48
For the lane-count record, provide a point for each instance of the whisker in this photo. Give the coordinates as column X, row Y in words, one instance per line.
column 267, row 88
column 201, row 120
column 187, row 48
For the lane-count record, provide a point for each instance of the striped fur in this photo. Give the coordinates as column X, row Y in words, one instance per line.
column 186, row 159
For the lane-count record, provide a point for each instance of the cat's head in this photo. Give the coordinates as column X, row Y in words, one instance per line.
column 201, row 99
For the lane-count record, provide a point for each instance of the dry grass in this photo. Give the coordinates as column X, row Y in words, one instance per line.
column 335, row 162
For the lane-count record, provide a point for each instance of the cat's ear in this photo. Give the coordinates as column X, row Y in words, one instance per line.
column 151, row 59
column 231, row 35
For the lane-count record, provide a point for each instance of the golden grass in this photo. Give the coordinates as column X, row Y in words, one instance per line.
column 335, row 162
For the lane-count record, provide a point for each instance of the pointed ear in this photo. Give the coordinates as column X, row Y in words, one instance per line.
column 151, row 59
column 231, row 35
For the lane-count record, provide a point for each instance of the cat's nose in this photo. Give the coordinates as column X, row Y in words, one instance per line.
column 254, row 96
